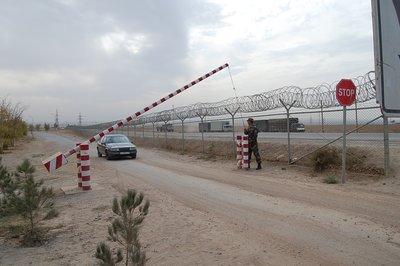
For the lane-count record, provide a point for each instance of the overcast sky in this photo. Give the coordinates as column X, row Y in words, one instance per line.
column 107, row 59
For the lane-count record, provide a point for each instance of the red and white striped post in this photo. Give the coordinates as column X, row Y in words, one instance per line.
column 78, row 165
column 85, row 166
column 245, row 145
column 239, row 151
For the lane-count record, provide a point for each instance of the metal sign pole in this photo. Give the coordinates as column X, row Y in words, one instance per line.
column 386, row 145
column 343, row 179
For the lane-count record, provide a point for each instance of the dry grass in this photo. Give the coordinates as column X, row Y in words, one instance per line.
column 360, row 159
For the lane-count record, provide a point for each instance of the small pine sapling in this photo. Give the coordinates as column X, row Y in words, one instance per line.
column 32, row 200
column 131, row 211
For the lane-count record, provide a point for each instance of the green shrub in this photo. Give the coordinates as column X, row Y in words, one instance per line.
column 325, row 158
column 330, row 180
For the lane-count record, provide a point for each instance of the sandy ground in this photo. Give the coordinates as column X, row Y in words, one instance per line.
column 209, row 213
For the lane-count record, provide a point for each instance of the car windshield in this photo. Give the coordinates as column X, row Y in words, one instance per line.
column 117, row 139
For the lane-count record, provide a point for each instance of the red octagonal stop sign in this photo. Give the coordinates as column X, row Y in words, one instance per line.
column 346, row 92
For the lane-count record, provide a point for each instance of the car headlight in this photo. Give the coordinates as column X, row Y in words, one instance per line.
column 131, row 149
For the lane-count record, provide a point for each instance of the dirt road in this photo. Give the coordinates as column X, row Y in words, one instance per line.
column 211, row 213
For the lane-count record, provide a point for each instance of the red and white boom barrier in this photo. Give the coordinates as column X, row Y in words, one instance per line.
column 59, row 159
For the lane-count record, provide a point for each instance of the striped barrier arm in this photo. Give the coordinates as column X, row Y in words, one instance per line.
column 59, row 157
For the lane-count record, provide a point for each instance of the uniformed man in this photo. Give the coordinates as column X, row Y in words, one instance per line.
column 252, row 132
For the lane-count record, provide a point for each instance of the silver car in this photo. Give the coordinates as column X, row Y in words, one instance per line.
column 116, row 145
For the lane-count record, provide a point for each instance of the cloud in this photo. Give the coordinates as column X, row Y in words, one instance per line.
column 106, row 60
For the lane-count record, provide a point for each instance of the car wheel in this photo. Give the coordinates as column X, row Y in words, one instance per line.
column 133, row 156
column 99, row 153
column 108, row 156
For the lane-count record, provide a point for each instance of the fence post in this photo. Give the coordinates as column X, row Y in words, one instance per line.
column 153, row 131
column 356, row 110
column 386, row 145
column 143, row 125
column 202, row 132
column 134, row 130
column 183, row 132
column 233, row 128
column 166, row 133
column 322, row 118
column 287, row 107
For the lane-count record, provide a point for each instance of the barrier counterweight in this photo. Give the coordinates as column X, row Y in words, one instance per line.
column 85, row 166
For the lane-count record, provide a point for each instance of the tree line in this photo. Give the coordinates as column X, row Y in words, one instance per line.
column 12, row 125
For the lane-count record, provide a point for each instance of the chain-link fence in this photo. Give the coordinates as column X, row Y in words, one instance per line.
column 308, row 132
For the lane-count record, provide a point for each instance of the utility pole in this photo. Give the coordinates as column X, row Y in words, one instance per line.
column 56, row 122
column 80, row 119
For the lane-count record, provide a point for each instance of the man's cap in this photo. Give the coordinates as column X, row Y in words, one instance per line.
column 250, row 119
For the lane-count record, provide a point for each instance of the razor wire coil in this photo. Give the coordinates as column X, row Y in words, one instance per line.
column 320, row 96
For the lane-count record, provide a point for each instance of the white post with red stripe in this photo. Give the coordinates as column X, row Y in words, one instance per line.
column 78, row 165
column 63, row 157
column 245, row 145
column 85, row 166
column 239, row 151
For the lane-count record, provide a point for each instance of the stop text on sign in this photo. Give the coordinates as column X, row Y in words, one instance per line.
column 346, row 92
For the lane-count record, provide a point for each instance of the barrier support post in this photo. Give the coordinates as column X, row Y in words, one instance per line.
column 85, row 166
column 239, row 151
column 78, row 166
column 245, row 149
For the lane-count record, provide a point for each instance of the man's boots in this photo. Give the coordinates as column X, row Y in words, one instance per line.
column 259, row 166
